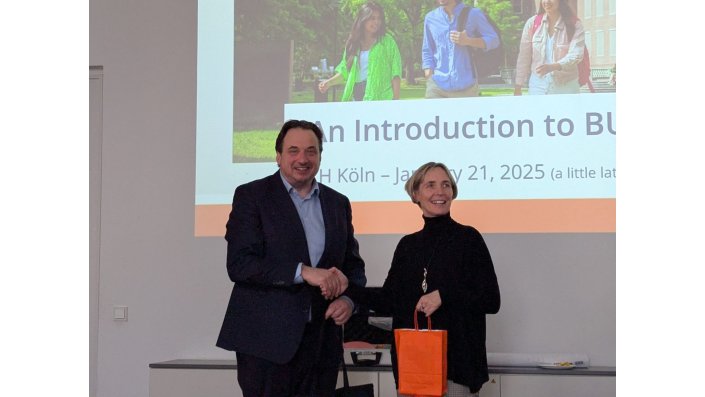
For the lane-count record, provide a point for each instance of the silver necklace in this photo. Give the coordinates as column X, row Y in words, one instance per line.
column 424, row 283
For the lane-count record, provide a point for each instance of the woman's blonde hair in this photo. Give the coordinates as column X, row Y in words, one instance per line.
column 413, row 183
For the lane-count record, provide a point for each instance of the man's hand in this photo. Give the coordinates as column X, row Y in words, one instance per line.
column 342, row 282
column 340, row 311
column 331, row 281
column 462, row 39
column 459, row 38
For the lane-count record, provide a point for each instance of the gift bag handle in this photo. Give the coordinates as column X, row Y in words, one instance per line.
column 416, row 320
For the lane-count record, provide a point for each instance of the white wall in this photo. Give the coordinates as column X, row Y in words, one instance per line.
column 558, row 290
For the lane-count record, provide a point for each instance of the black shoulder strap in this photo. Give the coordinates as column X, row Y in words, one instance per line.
column 463, row 18
column 462, row 21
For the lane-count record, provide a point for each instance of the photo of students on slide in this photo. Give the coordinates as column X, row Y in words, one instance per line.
column 449, row 31
column 370, row 69
column 318, row 51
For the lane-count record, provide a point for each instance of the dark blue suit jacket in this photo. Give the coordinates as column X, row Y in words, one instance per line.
column 267, row 312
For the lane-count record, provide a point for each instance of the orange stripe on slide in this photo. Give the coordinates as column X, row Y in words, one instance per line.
column 494, row 216
column 488, row 216
column 210, row 220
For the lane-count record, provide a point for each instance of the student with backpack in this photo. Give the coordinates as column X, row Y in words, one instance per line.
column 552, row 56
column 446, row 61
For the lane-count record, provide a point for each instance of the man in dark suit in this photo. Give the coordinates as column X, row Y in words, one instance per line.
column 293, row 258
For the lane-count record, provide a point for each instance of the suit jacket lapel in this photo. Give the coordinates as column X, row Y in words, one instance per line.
column 282, row 200
column 328, row 211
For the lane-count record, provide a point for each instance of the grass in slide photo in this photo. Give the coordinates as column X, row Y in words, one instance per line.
column 254, row 146
column 257, row 146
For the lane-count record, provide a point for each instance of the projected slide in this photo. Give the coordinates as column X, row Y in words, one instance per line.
column 524, row 164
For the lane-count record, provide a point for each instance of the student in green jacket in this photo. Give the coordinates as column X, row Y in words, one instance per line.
column 371, row 65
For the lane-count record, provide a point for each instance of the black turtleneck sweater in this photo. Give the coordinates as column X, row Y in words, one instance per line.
column 460, row 267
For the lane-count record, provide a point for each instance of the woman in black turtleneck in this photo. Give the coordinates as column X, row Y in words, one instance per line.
column 459, row 288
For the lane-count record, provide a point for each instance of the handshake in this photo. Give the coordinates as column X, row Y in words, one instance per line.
column 331, row 281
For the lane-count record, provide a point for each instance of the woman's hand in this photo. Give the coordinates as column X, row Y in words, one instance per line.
column 547, row 68
column 324, row 85
column 429, row 303
column 332, row 281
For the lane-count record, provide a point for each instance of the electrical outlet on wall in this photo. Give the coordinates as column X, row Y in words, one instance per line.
column 120, row 313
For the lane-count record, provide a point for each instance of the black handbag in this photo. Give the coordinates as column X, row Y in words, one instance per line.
column 366, row 390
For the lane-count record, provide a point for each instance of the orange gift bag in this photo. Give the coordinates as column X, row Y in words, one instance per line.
column 422, row 360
